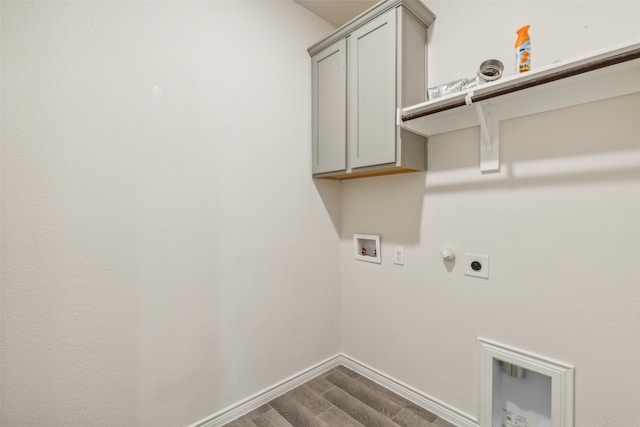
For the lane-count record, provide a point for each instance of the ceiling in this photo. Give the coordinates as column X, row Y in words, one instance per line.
column 337, row 12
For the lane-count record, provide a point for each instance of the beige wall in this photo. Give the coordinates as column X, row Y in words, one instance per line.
column 560, row 223
column 165, row 252
column 466, row 33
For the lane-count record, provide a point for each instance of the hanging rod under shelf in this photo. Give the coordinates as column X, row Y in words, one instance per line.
column 523, row 82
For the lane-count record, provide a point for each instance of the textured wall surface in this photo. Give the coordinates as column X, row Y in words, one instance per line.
column 560, row 223
column 466, row 33
column 165, row 252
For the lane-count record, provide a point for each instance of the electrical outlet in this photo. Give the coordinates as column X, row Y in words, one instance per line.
column 398, row 255
column 476, row 265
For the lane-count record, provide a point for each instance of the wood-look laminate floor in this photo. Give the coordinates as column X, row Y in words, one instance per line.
column 340, row 398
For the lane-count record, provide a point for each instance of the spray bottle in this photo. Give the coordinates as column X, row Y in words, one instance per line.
column 523, row 50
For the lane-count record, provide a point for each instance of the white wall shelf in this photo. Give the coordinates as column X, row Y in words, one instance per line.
column 600, row 75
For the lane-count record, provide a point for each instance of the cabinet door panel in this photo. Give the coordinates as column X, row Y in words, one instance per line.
column 329, row 133
column 372, row 92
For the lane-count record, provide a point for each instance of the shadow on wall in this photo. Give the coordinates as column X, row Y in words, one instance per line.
column 390, row 206
column 329, row 191
column 594, row 142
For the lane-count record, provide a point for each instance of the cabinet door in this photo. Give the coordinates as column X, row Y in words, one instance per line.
column 372, row 92
column 329, row 122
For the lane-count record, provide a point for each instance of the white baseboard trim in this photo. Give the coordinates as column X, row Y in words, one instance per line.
column 249, row 404
column 427, row 402
column 241, row 408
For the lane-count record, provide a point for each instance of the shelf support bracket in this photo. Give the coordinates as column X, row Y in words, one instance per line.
column 489, row 142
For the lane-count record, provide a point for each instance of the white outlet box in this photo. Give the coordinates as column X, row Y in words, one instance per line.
column 366, row 247
column 476, row 265
column 398, row 255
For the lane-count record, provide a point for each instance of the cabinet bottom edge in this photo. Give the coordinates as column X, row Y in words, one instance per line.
column 369, row 173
